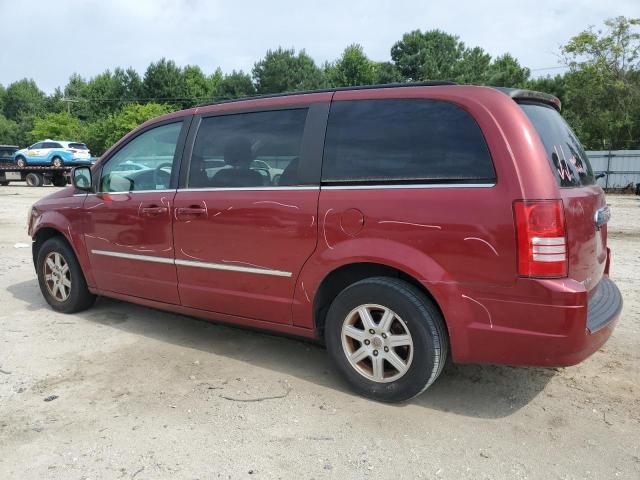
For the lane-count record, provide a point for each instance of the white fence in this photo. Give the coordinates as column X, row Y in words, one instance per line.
column 621, row 166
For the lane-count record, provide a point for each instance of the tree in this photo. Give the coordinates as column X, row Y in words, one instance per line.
column 352, row 68
column 58, row 126
column 386, row 72
column 472, row 66
column 506, row 71
column 197, row 87
column 104, row 132
column 234, row 85
column 552, row 85
column 9, row 131
column 282, row 70
column 164, row 82
column 430, row 55
column 603, row 84
column 23, row 99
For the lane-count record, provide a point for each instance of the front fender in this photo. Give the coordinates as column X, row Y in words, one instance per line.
column 65, row 221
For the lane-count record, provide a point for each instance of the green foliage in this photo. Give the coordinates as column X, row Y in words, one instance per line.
column 430, row 55
column 104, row 132
column 602, row 93
column 164, row 82
column 22, row 99
column 9, row 132
column 351, row 69
column 386, row 72
column 57, row 126
column 235, row 85
column 283, row 71
column 506, row 71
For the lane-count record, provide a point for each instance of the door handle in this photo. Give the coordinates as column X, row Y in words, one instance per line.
column 153, row 211
column 194, row 210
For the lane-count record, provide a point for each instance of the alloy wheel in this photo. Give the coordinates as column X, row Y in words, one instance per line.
column 57, row 276
column 377, row 343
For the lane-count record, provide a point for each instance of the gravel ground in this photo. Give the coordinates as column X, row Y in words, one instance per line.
column 122, row 391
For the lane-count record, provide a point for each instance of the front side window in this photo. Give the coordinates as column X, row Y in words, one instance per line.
column 404, row 141
column 36, row 146
column 258, row 149
column 145, row 163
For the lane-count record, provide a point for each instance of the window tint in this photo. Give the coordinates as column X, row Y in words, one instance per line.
column 37, row 145
column 52, row 145
column 145, row 163
column 404, row 141
column 7, row 152
column 248, row 150
column 568, row 161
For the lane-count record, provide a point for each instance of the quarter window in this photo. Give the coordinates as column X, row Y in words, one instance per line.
column 145, row 163
column 412, row 141
column 255, row 149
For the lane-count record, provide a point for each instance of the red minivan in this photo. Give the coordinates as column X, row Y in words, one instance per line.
column 399, row 224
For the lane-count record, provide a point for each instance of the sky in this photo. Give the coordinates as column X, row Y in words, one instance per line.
column 51, row 39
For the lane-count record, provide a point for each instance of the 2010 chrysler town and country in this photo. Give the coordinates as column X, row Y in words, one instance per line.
column 403, row 224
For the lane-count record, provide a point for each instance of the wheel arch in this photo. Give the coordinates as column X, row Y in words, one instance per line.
column 341, row 277
column 59, row 227
column 42, row 235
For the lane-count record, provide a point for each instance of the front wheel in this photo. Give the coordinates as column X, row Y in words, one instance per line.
column 61, row 280
column 386, row 338
column 57, row 162
column 21, row 162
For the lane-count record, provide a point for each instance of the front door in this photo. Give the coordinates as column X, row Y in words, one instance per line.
column 247, row 220
column 128, row 233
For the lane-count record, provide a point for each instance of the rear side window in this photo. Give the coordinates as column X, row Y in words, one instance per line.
column 567, row 158
column 243, row 150
column 412, row 141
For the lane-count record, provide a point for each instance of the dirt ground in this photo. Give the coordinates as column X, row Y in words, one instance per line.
column 150, row 395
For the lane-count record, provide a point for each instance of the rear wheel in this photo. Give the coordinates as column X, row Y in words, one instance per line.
column 61, row 280
column 34, row 179
column 387, row 338
column 57, row 162
column 21, row 162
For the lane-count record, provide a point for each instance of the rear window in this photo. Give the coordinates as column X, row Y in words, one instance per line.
column 567, row 158
column 404, row 141
column 78, row 146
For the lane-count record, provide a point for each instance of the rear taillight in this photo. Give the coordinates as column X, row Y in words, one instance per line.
column 542, row 238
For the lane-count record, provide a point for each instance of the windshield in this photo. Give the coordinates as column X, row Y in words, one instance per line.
column 566, row 156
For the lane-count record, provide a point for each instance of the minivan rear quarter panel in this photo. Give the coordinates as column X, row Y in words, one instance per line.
column 458, row 241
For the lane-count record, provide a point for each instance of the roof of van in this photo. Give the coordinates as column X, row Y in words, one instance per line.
column 515, row 93
column 430, row 83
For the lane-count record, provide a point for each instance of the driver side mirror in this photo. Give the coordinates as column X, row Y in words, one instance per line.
column 81, row 178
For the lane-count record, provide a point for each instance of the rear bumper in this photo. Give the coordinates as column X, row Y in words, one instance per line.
column 569, row 326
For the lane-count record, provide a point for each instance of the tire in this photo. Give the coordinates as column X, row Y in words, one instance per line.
column 4, row 184
column 77, row 296
column 57, row 162
column 59, row 181
column 34, row 179
column 416, row 325
column 21, row 162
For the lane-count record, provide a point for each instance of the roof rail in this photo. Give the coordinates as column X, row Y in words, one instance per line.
column 430, row 83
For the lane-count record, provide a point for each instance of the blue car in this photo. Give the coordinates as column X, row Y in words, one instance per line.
column 53, row 152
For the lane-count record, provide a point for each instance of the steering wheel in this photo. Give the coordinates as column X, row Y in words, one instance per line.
column 157, row 177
